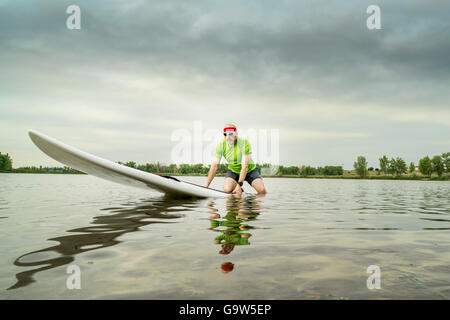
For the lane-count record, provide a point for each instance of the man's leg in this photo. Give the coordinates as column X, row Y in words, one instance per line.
column 229, row 184
column 256, row 181
column 258, row 184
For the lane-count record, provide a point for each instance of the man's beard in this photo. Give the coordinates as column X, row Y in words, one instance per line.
column 230, row 142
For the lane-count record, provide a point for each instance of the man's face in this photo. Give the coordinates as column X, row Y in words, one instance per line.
column 230, row 136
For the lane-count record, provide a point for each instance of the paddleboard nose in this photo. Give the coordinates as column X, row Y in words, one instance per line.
column 32, row 133
column 34, row 136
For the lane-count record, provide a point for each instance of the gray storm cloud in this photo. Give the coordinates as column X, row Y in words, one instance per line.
column 137, row 70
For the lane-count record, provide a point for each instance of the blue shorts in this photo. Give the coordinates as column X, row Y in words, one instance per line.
column 252, row 175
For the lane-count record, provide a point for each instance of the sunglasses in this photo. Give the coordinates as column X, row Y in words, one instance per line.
column 229, row 134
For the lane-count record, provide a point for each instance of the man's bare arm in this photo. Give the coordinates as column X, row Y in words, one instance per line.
column 243, row 174
column 212, row 172
column 245, row 162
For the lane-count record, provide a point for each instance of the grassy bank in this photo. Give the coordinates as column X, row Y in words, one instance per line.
column 347, row 175
column 355, row 177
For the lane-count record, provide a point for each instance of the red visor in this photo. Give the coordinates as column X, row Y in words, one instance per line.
column 229, row 128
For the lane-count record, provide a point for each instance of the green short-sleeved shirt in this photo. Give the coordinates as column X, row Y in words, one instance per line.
column 234, row 154
column 236, row 238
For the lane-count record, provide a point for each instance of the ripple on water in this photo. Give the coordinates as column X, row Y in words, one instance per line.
column 39, row 257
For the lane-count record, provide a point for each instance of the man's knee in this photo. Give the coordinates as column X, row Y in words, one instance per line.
column 229, row 185
column 259, row 186
column 261, row 190
column 227, row 189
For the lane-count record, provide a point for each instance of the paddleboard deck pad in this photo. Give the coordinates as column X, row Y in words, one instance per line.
column 109, row 170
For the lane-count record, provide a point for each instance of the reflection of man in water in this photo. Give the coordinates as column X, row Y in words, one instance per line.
column 230, row 238
column 234, row 234
column 233, row 229
column 227, row 267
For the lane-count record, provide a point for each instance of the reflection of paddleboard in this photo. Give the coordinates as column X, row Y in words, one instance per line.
column 115, row 172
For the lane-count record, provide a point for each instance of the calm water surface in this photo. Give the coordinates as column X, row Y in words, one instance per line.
column 306, row 239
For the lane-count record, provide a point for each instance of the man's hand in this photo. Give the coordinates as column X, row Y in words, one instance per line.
column 245, row 161
column 238, row 189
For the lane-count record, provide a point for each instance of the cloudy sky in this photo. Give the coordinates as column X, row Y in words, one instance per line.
column 137, row 71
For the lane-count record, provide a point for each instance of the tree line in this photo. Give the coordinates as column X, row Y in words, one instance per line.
column 439, row 164
column 42, row 169
column 202, row 169
column 5, row 163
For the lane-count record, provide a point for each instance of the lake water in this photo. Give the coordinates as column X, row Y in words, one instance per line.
column 306, row 239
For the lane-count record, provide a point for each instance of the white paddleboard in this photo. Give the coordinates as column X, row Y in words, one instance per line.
column 115, row 172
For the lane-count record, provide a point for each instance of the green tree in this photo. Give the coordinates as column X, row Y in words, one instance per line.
column 397, row 166
column 222, row 168
column 384, row 164
column 197, row 168
column 412, row 169
column 173, row 168
column 332, row 171
column 292, row 170
column 390, row 166
column 185, row 168
column 361, row 166
column 5, row 162
column 425, row 166
column 307, row 171
column 446, row 161
column 437, row 165
column 131, row 164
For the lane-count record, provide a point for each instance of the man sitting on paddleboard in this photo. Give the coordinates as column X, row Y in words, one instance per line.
column 237, row 151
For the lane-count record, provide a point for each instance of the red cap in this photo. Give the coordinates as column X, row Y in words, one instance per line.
column 229, row 128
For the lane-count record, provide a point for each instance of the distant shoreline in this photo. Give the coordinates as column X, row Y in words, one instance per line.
column 346, row 176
